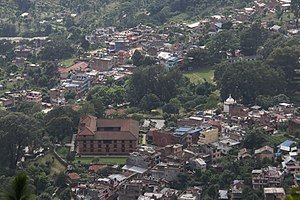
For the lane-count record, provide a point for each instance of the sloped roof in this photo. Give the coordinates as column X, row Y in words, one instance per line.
column 265, row 148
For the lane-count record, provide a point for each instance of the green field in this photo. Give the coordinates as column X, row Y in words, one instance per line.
column 56, row 166
column 276, row 139
column 68, row 62
column 62, row 151
column 101, row 160
column 200, row 75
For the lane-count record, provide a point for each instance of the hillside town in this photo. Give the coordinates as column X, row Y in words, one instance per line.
column 189, row 110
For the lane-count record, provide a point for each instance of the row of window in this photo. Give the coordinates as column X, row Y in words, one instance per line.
column 106, row 146
column 107, row 150
column 107, row 141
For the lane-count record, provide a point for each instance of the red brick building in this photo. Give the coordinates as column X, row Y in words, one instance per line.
column 106, row 136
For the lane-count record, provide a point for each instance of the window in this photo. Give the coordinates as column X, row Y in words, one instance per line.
column 109, row 129
column 107, row 150
column 130, row 141
column 130, row 146
column 123, row 150
column 92, row 149
column 107, row 141
column 99, row 142
column 92, row 141
column 123, row 145
column 92, row 146
column 84, row 145
column 84, row 149
column 123, row 141
column 115, row 146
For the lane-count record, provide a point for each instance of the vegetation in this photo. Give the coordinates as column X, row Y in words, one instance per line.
column 101, row 160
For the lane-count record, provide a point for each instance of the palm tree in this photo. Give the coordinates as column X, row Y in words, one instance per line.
column 18, row 189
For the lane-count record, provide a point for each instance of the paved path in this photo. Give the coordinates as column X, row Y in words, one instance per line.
column 72, row 144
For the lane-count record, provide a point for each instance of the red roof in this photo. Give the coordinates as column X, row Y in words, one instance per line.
column 73, row 176
column 76, row 67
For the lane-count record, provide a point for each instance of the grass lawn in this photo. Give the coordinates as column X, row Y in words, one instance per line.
column 200, row 75
column 102, row 160
column 274, row 140
column 56, row 166
column 68, row 62
column 62, row 151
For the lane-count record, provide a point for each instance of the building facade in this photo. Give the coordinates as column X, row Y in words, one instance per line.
column 106, row 136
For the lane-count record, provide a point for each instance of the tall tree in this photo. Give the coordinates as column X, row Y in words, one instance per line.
column 285, row 59
column 251, row 39
column 295, row 7
column 60, row 127
column 247, row 80
column 17, row 132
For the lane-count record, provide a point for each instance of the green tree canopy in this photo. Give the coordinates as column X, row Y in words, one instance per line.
column 60, row 127
column 247, row 80
column 285, row 59
column 17, row 131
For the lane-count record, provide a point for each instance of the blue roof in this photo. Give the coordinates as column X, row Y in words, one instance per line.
column 286, row 143
column 179, row 133
column 172, row 59
column 182, row 129
column 195, row 131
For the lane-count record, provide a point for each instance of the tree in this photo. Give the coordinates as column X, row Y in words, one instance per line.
column 205, row 88
column 41, row 182
column 85, row 45
column 223, row 42
column 251, row 39
column 17, row 132
column 61, row 180
column 254, row 139
column 44, row 196
column 249, row 194
column 197, row 59
column 150, row 102
column 63, row 111
column 285, row 59
column 19, row 189
column 137, row 58
column 99, row 107
column 212, row 101
column 247, row 80
column 169, row 108
column 70, row 95
column 153, row 79
column 57, row 48
column 60, row 127
column 295, row 7
column 87, row 108
column 65, row 195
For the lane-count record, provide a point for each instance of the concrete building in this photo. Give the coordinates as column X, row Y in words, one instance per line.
column 266, row 177
column 264, row 152
column 80, row 83
column 274, row 193
column 209, row 135
column 34, row 96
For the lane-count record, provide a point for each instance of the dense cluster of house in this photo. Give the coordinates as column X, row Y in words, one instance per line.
column 152, row 167
column 118, row 47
